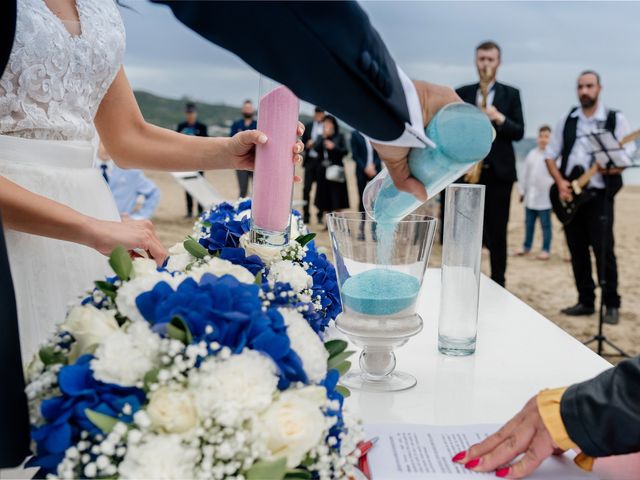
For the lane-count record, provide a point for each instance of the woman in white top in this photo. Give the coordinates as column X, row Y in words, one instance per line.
column 534, row 185
column 65, row 74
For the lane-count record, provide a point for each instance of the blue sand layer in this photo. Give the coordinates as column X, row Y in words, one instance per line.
column 380, row 292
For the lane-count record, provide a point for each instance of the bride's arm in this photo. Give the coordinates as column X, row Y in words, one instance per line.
column 28, row 212
column 134, row 143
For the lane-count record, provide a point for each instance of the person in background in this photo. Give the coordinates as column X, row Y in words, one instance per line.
column 247, row 122
column 368, row 163
column 534, row 186
column 191, row 126
column 331, row 190
column 502, row 105
column 312, row 131
column 127, row 187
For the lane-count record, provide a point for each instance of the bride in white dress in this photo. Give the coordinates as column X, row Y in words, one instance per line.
column 64, row 75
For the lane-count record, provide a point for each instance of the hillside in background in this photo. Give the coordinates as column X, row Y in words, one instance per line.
column 168, row 112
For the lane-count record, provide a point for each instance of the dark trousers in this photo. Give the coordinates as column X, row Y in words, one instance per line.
column 310, row 177
column 497, row 202
column 189, row 199
column 243, row 181
column 589, row 229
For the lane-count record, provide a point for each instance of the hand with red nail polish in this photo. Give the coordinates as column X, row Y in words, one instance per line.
column 525, row 433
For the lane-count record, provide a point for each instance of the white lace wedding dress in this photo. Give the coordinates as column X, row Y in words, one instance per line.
column 49, row 95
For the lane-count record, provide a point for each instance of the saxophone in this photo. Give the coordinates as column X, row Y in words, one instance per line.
column 486, row 74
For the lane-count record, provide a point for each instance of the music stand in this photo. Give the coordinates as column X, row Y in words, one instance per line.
column 607, row 151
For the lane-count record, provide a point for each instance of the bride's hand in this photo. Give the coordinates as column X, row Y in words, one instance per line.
column 104, row 236
column 242, row 149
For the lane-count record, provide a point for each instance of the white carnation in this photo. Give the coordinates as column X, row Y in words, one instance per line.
column 129, row 291
column 266, row 253
column 294, row 424
column 179, row 258
column 89, row 326
column 307, row 344
column 220, row 267
column 234, row 389
column 161, row 457
column 124, row 357
column 286, row 271
column 143, row 266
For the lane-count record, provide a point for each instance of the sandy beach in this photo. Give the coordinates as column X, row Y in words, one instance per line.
column 546, row 286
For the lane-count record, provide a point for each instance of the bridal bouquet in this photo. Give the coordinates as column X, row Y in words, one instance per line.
column 211, row 367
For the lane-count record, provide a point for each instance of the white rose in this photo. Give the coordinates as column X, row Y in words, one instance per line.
column 172, row 410
column 220, row 267
column 179, row 258
column 294, row 424
column 129, row 292
column 161, row 457
column 231, row 390
column 307, row 344
column 286, row 271
column 266, row 253
column 143, row 266
column 124, row 357
column 89, row 326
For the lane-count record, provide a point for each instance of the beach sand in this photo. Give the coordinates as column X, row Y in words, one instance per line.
column 545, row 286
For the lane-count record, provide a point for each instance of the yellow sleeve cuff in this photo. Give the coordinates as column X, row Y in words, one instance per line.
column 548, row 402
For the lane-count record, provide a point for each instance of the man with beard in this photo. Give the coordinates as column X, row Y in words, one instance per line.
column 586, row 229
column 247, row 122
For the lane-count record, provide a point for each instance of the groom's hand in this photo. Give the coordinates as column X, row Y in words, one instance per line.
column 242, row 148
column 432, row 98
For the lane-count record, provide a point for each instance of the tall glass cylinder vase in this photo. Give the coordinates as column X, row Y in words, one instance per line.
column 461, row 254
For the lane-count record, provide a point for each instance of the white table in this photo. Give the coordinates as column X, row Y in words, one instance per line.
column 519, row 352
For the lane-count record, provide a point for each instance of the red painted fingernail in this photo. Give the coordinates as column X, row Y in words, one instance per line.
column 503, row 472
column 472, row 463
column 459, row 456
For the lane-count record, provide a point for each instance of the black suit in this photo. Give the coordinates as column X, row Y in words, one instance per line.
column 14, row 418
column 310, row 171
column 499, row 171
column 359, row 154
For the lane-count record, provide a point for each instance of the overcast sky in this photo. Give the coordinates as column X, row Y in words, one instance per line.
column 545, row 45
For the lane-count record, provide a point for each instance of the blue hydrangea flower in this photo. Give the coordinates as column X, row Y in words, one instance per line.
column 65, row 414
column 325, row 284
column 225, row 234
column 253, row 263
column 330, row 383
column 226, row 311
column 281, row 292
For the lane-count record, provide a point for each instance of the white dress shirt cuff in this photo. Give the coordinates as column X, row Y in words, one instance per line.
column 413, row 135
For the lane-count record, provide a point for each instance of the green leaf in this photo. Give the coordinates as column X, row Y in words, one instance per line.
column 206, row 224
column 179, row 330
column 109, row 289
column 298, row 474
column 304, row 239
column 100, row 420
column 343, row 368
column 336, row 360
column 194, row 248
column 258, row 280
column 150, row 378
column 121, row 263
column 265, row 470
column 49, row 356
column 344, row 391
column 335, row 347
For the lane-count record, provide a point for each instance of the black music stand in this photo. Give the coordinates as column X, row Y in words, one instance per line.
column 610, row 154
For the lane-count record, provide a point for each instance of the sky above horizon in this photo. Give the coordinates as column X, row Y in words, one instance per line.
column 544, row 44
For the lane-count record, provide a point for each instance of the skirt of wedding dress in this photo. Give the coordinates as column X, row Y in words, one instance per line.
column 49, row 274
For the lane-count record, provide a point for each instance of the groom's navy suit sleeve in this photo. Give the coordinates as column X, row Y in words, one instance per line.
column 349, row 71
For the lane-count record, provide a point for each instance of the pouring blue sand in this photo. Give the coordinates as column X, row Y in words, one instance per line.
column 380, row 292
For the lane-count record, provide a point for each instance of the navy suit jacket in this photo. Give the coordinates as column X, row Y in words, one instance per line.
column 359, row 154
column 501, row 160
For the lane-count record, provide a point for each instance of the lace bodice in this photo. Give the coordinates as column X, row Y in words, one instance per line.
column 54, row 82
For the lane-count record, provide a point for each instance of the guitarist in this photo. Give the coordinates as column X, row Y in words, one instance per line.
column 567, row 150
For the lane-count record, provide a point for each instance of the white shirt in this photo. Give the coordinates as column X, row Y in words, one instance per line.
column 535, row 181
column 490, row 96
column 316, row 131
column 580, row 153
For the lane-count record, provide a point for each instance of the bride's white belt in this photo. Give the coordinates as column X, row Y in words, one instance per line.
column 48, row 153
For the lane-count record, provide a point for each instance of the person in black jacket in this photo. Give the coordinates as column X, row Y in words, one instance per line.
column 368, row 163
column 331, row 147
column 312, row 130
column 600, row 416
column 504, row 109
column 191, row 126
